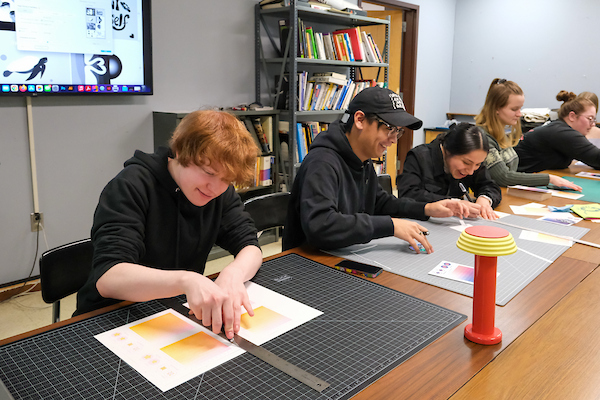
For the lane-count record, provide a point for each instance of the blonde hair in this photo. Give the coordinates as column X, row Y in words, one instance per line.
column 208, row 135
column 497, row 97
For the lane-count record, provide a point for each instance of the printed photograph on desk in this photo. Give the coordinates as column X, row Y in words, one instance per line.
column 167, row 348
column 561, row 218
column 454, row 271
column 593, row 175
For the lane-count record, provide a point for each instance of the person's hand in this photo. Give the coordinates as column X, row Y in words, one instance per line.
column 486, row 210
column 448, row 208
column 232, row 282
column 561, row 182
column 207, row 300
column 411, row 232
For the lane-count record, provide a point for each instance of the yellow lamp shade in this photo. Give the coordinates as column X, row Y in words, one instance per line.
column 486, row 241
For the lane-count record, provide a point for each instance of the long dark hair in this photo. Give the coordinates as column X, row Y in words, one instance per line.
column 462, row 139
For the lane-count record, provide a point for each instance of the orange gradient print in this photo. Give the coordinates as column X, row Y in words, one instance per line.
column 264, row 320
column 190, row 349
column 160, row 327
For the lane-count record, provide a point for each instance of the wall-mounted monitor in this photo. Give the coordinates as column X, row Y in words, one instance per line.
column 75, row 47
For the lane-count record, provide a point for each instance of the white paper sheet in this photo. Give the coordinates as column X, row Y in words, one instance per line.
column 168, row 348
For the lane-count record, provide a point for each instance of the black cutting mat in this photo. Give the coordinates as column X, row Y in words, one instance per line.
column 366, row 330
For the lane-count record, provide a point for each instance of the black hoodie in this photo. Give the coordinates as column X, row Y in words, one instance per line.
column 143, row 218
column 336, row 198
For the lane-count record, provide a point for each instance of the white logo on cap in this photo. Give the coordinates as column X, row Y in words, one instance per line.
column 397, row 101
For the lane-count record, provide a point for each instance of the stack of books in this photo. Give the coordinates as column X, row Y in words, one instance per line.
column 327, row 91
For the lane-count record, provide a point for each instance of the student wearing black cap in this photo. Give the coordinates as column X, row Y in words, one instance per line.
column 336, row 198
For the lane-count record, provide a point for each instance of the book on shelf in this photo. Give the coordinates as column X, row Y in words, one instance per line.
column 260, row 133
column 301, row 145
column 267, row 126
column 263, row 171
column 377, row 52
column 354, row 36
column 259, row 141
column 370, row 55
column 330, row 77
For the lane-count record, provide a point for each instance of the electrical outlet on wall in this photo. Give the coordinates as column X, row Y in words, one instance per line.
column 37, row 221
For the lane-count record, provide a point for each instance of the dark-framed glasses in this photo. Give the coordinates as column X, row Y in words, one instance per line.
column 396, row 131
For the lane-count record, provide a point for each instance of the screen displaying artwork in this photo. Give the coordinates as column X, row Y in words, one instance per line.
column 76, row 47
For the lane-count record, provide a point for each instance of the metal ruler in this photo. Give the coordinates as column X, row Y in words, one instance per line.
column 257, row 351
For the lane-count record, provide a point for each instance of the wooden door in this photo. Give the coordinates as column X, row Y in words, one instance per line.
column 395, row 58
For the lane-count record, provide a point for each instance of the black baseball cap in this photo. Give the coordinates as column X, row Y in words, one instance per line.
column 386, row 104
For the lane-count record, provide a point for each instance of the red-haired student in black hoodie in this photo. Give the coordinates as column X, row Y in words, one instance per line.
column 158, row 219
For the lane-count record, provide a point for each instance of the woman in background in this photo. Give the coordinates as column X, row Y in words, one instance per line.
column 594, row 133
column 502, row 110
column 448, row 167
column 556, row 145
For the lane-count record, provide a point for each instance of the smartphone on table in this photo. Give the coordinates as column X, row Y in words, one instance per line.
column 357, row 268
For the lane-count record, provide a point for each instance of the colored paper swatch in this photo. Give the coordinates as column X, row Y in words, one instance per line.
column 264, row 319
column 165, row 325
column 195, row 347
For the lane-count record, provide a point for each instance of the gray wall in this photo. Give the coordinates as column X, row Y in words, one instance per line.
column 544, row 46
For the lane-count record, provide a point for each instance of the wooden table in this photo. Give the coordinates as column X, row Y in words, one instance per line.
column 548, row 333
column 558, row 357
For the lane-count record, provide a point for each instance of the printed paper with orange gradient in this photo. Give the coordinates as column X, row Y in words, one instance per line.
column 168, row 349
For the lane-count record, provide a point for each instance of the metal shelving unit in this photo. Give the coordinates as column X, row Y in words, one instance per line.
column 288, row 62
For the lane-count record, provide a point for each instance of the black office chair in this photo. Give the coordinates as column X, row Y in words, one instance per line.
column 268, row 211
column 63, row 271
column 385, row 180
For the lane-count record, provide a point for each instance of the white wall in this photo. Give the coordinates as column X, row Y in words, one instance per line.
column 434, row 63
column 544, row 46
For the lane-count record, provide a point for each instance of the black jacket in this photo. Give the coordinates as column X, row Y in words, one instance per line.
column 336, row 198
column 142, row 217
column 555, row 146
column 424, row 179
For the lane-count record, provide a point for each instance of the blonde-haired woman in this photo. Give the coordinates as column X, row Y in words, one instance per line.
column 500, row 120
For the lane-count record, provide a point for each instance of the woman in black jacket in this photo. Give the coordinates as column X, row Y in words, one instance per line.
column 556, row 145
column 448, row 167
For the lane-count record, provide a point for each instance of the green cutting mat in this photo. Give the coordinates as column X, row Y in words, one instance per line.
column 590, row 188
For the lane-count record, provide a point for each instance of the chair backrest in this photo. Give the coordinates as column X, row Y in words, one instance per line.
column 268, row 211
column 385, row 180
column 64, row 270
